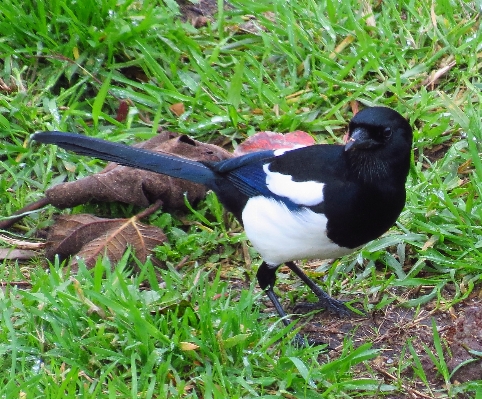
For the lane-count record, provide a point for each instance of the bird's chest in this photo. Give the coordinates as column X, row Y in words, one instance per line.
column 281, row 235
column 355, row 219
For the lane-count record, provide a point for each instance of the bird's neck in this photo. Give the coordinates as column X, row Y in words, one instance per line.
column 375, row 171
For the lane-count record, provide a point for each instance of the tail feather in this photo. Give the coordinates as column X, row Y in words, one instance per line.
column 170, row 165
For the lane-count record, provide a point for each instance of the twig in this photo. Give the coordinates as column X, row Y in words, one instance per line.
column 149, row 211
column 20, row 214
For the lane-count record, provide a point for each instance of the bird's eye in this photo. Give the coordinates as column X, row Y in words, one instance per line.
column 387, row 132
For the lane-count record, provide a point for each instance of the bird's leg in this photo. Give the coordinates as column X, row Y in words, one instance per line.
column 266, row 279
column 324, row 300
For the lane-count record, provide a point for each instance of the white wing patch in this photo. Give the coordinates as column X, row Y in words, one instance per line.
column 281, row 151
column 280, row 235
column 306, row 193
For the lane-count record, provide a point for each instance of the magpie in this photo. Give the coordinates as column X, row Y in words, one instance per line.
column 317, row 202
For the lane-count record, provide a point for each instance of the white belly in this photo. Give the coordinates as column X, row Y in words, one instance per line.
column 280, row 235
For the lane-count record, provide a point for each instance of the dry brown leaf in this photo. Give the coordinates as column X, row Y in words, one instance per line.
column 368, row 13
column 89, row 237
column 343, row 44
column 177, row 109
column 17, row 254
column 199, row 13
column 122, row 111
column 430, row 242
column 139, row 187
column 435, row 76
column 128, row 233
column 188, row 346
column 70, row 233
column 21, row 244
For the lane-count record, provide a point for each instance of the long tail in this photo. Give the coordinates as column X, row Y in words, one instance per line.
column 170, row 165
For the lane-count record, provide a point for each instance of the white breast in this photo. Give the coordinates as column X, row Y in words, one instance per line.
column 280, row 235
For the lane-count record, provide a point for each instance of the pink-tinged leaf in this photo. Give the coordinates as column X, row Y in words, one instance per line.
column 273, row 141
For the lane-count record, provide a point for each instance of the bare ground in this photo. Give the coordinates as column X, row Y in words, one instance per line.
column 394, row 329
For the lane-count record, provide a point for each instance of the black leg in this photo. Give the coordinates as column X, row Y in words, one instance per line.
column 266, row 279
column 324, row 300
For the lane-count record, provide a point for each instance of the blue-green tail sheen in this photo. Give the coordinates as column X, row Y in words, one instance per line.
column 166, row 164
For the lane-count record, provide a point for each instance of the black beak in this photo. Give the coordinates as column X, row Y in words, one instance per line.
column 359, row 139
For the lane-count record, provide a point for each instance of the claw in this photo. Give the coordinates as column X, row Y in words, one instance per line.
column 332, row 305
column 301, row 342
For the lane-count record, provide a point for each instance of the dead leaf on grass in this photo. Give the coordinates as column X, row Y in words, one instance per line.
column 21, row 244
column 19, row 249
column 122, row 111
column 341, row 46
column 199, row 13
column 177, row 109
column 188, row 346
column 367, row 12
column 16, row 254
column 272, row 141
column 89, row 237
column 434, row 77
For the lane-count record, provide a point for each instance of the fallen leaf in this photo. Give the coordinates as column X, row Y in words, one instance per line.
column 435, row 76
column 199, row 13
column 89, row 237
column 17, row 254
column 343, row 44
column 272, row 141
column 122, row 111
column 188, row 346
column 177, row 109
column 367, row 13
column 430, row 242
column 22, row 244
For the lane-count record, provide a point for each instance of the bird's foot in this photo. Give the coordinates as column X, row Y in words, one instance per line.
column 332, row 305
column 301, row 341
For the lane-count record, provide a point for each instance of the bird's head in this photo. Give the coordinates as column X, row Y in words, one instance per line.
column 379, row 141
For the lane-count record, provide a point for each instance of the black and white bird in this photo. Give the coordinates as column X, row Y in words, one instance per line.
column 317, row 202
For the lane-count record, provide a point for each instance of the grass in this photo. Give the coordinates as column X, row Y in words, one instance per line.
column 97, row 334
column 67, row 66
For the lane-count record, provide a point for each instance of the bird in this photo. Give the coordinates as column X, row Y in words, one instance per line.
column 322, row 201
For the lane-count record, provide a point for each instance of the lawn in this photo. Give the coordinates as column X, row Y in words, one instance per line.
column 200, row 327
